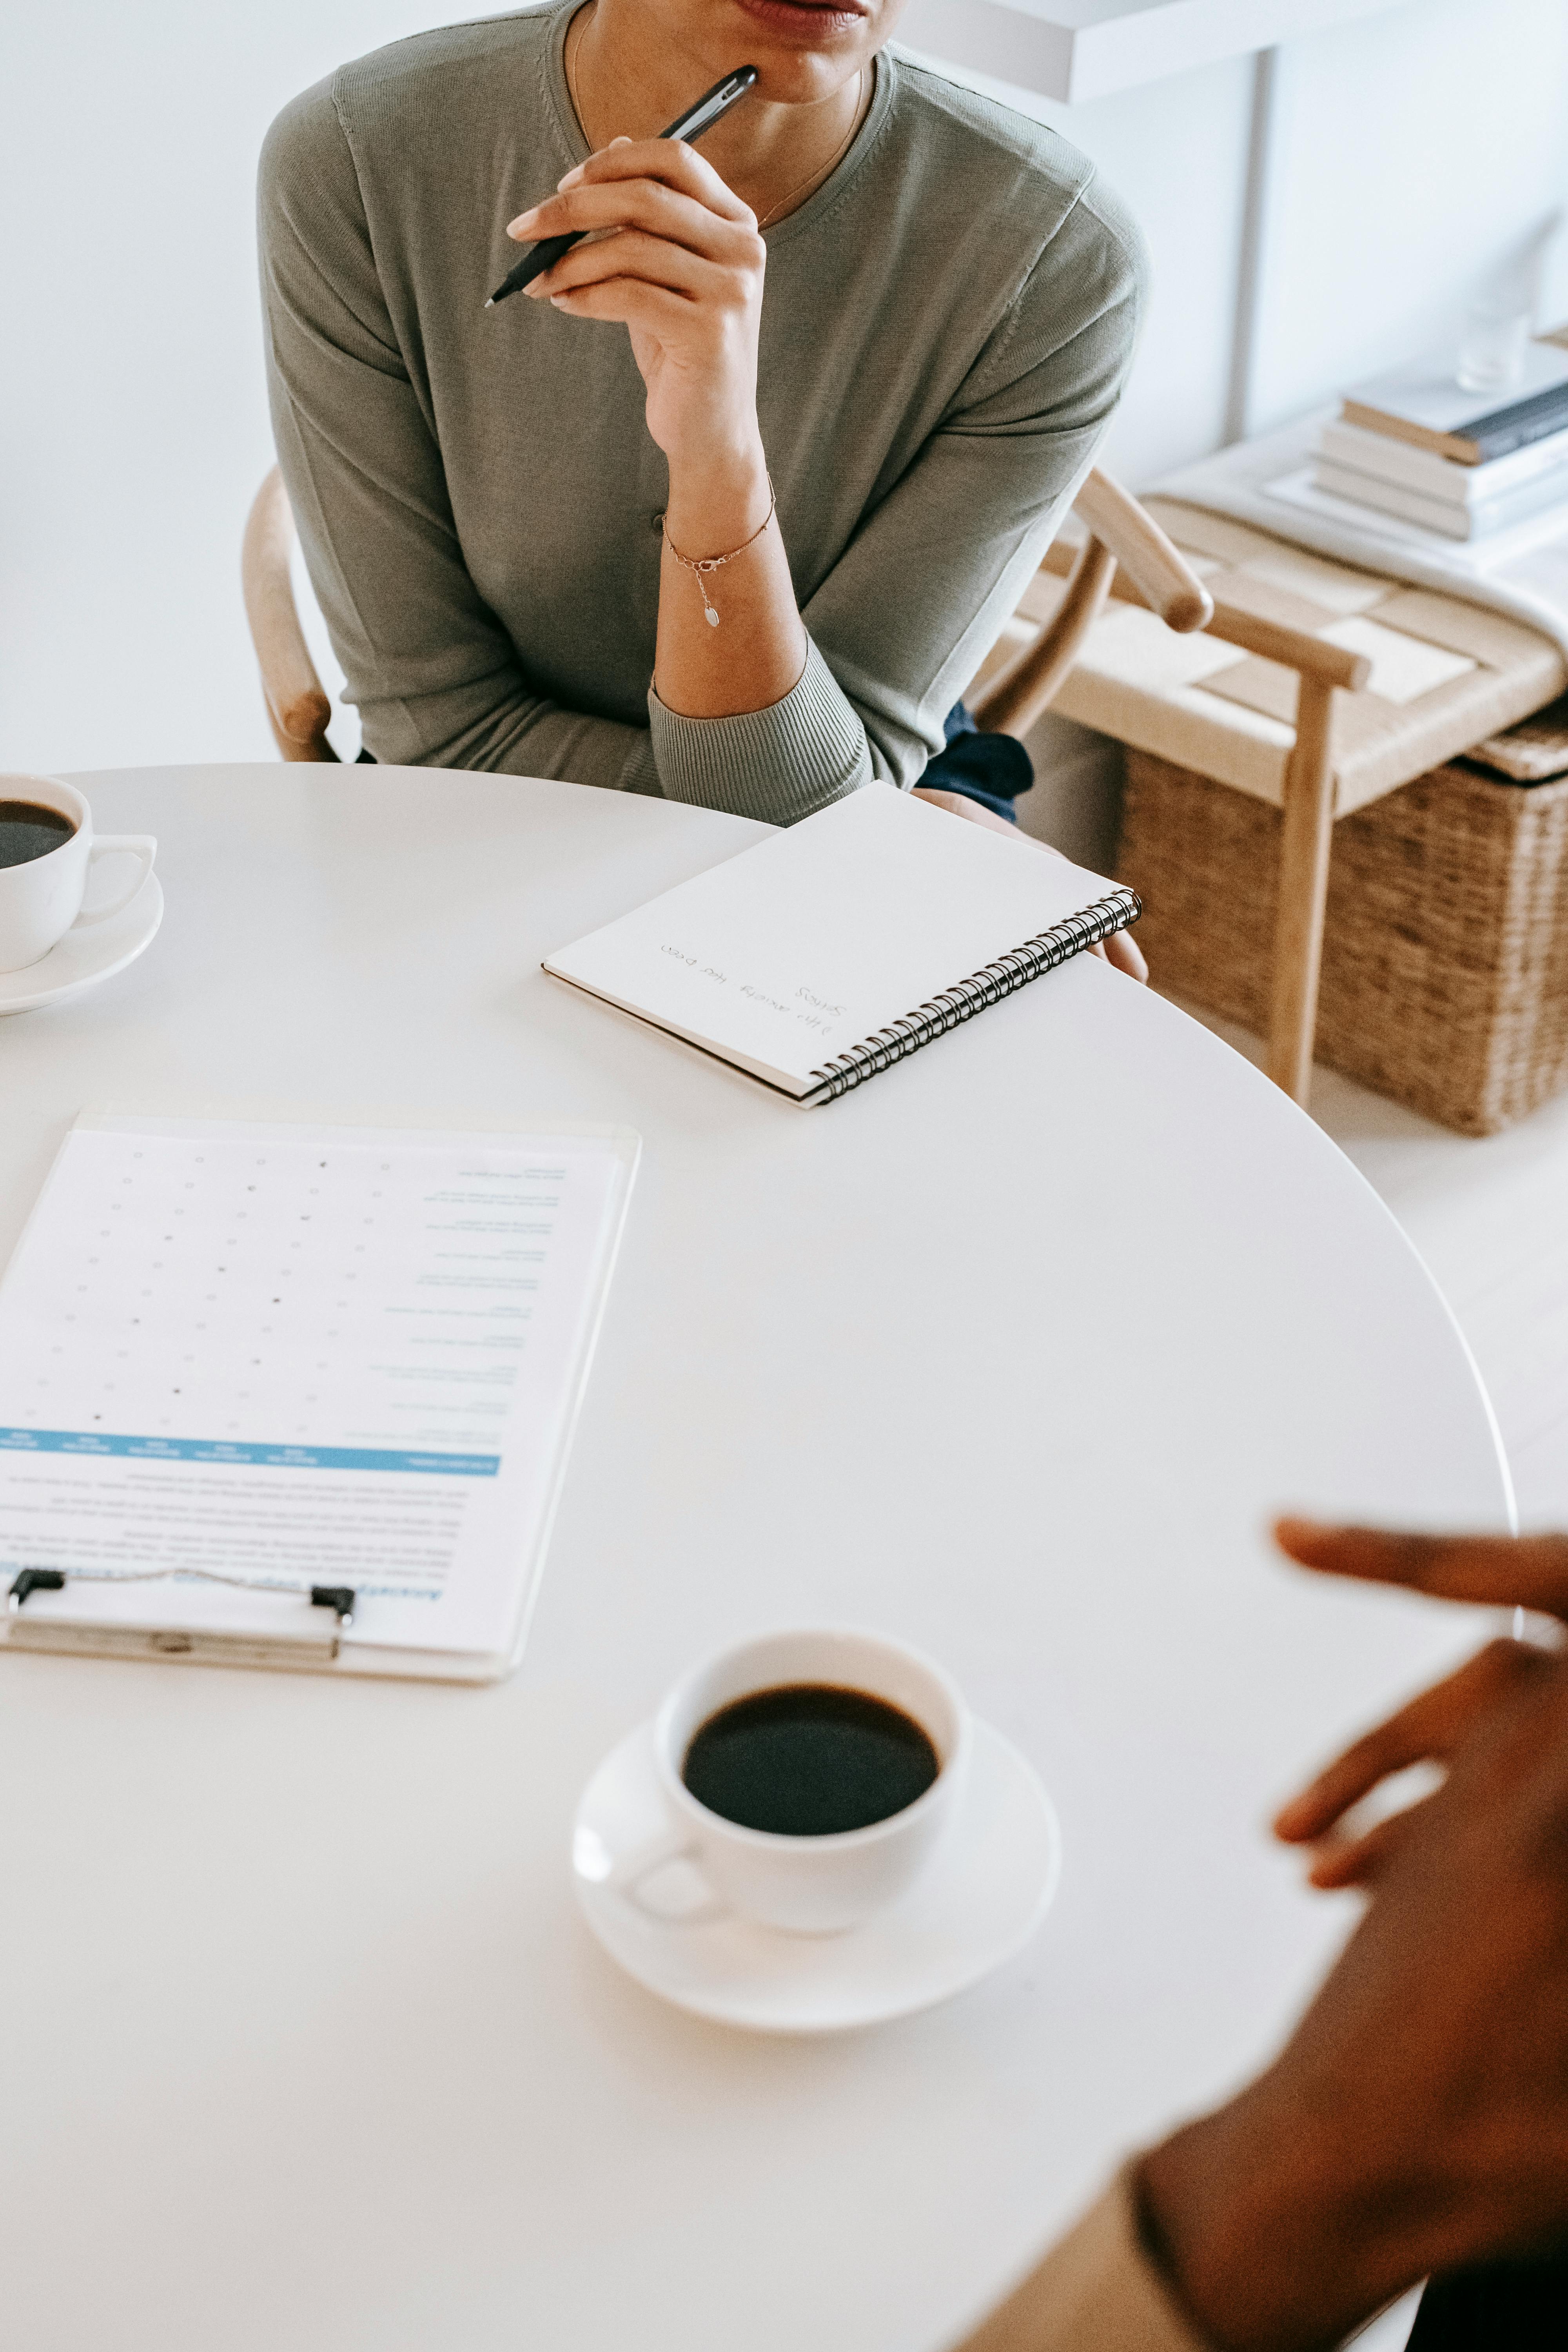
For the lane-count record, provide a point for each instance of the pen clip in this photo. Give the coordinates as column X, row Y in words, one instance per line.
column 711, row 105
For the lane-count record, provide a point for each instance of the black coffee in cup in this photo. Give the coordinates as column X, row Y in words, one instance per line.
column 29, row 830
column 809, row 1759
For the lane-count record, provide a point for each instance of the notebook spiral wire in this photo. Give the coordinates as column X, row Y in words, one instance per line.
column 985, row 987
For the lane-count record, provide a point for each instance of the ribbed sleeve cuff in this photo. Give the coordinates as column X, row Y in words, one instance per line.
column 1097, row 2291
column 778, row 764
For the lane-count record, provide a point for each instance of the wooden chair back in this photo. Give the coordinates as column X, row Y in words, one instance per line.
column 298, row 707
column 1128, row 555
column 1151, row 570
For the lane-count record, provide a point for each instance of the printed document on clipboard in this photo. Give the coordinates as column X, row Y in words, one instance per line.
column 292, row 1396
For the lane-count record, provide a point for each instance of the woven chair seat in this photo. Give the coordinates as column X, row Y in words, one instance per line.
column 1444, row 673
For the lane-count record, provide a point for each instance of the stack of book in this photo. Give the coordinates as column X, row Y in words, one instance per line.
column 1464, row 464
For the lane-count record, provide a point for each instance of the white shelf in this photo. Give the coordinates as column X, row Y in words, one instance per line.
column 1076, row 49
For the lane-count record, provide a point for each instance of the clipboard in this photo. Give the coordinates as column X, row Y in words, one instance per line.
column 297, row 1397
column 296, row 1640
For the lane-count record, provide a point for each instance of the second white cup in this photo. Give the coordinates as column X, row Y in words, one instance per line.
column 41, row 899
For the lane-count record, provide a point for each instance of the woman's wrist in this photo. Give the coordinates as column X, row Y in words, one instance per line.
column 718, row 501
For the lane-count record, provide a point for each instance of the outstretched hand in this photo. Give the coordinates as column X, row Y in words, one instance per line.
column 1417, row 2120
column 1529, row 1572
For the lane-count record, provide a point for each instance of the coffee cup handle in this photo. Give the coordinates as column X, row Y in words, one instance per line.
column 631, row 1877
column 142, row 847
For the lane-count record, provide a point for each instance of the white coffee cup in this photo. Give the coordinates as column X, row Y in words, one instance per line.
column 42, row 900
column 808, row 1885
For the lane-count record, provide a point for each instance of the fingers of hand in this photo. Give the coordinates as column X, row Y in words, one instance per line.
column 1123, row 954
column 644, row 203
column 1428, row 1729
column 574, row 178
column 667, row 327
column 1361, row 1861
column 1523, row 1571
column 631, row 302
column 960, row 804
column 696, row 298
column 1121, row 951
column 634, row 255
column 670, row 160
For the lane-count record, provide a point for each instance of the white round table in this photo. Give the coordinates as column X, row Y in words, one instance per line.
column 1010, row 1353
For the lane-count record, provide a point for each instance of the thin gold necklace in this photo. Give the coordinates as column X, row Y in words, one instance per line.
column 572, row 47
column 823, row 172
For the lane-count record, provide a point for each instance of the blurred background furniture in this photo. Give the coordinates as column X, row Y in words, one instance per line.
column 1443, row 985
column 1059, row 640
column 1445, row 970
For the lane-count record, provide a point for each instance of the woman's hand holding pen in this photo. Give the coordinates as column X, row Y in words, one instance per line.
column 671, row 253
column 676, row 259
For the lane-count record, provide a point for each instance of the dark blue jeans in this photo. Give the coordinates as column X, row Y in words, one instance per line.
column 991, row 769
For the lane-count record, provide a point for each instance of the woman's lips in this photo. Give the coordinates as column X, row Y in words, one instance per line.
column 816, row 18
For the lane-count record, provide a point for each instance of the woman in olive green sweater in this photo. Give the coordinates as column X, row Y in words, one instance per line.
column 951, row 303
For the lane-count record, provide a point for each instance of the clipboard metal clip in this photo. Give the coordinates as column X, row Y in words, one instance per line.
column 314, row 1642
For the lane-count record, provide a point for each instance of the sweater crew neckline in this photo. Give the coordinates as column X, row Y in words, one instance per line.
column 558, row 93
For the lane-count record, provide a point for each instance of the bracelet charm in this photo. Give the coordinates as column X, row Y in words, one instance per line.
column 700, row 565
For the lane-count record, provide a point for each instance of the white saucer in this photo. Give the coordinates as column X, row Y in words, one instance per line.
column 979, row 1899
column 83, row 958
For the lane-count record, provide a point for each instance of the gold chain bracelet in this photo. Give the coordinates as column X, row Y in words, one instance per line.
column 698, row 565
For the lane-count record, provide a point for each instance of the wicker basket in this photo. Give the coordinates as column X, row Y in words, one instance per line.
column 1444, row 978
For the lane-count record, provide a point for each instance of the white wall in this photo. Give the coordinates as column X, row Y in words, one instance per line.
column 1177, row 151
column 1415, row 152
column 133, row 413
column 1415, row 149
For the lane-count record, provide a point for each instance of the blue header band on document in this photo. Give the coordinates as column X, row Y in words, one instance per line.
column 247, row 1456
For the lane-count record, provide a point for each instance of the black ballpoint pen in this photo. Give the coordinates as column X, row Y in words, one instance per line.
column 689, row 125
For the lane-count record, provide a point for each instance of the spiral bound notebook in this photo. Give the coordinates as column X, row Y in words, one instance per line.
column 829, row 951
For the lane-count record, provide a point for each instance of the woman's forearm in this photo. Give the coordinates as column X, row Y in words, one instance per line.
column 753, row 653
column 679, row 260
